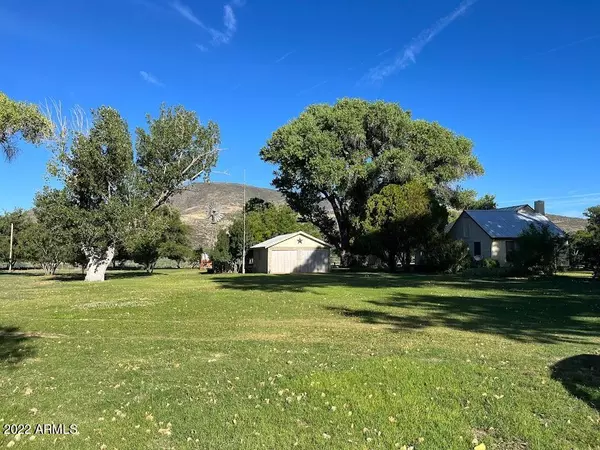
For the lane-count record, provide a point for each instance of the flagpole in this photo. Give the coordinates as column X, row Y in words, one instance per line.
column 244, row 220
column 10, row 255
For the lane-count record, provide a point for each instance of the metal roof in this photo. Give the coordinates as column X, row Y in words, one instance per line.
column 513, row 208
column 510, row 223
column 282, row 237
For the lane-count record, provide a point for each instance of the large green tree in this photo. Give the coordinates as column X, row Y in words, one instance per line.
column 401, row 219
column 333, row 158
column 20, row 120
column 113, row 189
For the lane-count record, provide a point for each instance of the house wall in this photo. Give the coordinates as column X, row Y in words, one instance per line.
column 499, row 251
column 293, row 243
column 466, row 229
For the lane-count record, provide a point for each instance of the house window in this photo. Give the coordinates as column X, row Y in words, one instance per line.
column 510, row 250
column 511, row 246
column 477, row 248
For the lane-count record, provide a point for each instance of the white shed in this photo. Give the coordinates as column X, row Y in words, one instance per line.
column 289, row 253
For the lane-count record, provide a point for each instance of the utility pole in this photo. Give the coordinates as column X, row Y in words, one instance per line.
column 244, row 220
column 10, row 259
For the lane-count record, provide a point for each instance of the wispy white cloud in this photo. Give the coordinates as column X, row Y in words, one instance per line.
column 229, row 19
column 218, row 37
column 202, row 48
column 187, row 13
column 149, row 78
column 304, row 91
column 568, row 205
column 284, row 56
column 148, row 4
column 571, row 197
column 409, row 54
column 384, row 52
column 571, row 44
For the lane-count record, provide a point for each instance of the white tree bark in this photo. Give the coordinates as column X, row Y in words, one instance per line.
column 97, row 265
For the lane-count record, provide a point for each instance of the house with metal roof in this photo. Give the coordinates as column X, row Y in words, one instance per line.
column 289, row 253
column 493, row 233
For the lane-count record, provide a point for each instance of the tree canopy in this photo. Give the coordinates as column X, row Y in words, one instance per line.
column 400, row 219
column 50, row 240
column 20, row 120
column 467, row 199
column 113, row 190
column 340, row 155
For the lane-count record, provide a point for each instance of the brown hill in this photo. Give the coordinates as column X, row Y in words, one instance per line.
column 224, row 199
column 568, row 224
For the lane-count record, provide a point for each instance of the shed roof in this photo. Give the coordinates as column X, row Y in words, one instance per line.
column 510, row 223
column 282, row 237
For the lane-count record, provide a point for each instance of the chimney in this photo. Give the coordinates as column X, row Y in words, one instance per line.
column 540, row 207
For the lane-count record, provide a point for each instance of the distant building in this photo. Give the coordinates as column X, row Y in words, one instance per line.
column 492, row 233
column 290, row 253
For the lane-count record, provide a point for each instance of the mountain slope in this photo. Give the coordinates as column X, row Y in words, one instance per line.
column 568, row 224
column 226, row 201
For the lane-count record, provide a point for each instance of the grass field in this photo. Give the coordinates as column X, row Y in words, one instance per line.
column 183, row 360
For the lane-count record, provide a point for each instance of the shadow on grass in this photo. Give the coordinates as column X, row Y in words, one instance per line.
column 78, row 276
column 536, row 315
column 22, row 273
column 580, row 375
column 559, row 309
column 110, row 275
column 15, row 345
column 306, row 281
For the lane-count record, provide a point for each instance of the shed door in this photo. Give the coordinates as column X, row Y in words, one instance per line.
column 283, row 261
column 313, row 260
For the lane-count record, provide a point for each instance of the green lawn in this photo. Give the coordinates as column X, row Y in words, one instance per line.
column 184, row 360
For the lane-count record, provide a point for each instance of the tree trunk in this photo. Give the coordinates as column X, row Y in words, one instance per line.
column 343, row 228
column 392, row 262
column 97, row 265
column 407, row 259
column 150, row 267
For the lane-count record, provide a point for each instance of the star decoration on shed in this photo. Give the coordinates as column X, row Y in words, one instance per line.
column 299, row 240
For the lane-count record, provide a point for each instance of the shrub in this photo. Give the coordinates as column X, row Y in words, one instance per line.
column 587, row 243
column 444, row 254
column 538, row 251
column 489, row 263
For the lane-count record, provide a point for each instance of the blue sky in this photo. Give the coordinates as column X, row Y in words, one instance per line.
column 520, row 78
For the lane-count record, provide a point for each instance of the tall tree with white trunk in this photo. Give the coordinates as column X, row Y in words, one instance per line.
column 111, row 188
